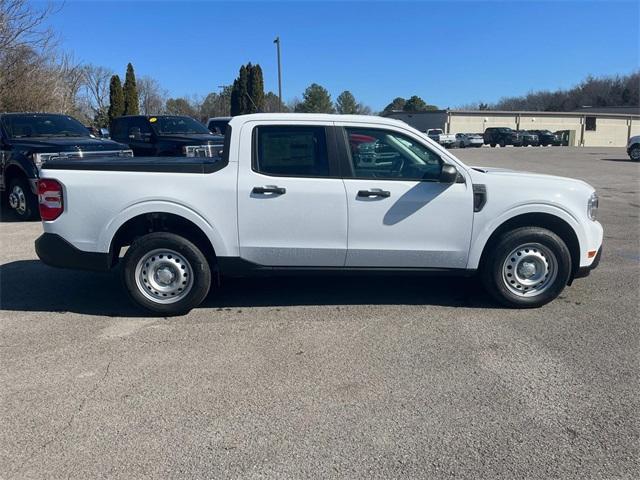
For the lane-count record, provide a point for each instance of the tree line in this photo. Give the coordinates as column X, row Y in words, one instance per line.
column 608, row 91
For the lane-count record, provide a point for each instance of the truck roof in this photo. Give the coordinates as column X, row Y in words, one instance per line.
column 318, row 117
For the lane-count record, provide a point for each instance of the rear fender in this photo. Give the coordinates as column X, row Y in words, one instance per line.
column 160, row 206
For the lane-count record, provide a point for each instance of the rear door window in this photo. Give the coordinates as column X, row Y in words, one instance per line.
column 291, row 151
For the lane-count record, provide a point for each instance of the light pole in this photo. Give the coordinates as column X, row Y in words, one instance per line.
column 277, row 42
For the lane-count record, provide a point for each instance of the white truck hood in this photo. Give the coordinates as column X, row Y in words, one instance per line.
column 525, row 178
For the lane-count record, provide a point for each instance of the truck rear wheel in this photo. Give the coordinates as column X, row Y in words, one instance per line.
column 166, row 274
column 527, row 268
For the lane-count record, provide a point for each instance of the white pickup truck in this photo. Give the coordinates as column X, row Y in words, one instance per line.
column 317, row 193
column 444, row 139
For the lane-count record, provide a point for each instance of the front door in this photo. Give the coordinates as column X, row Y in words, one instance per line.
column 400, row 215
column 292, row 207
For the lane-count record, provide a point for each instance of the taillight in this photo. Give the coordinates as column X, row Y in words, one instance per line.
column 50, row 199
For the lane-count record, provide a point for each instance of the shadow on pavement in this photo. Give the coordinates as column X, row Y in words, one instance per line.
column 29, row 285
column 619, row 160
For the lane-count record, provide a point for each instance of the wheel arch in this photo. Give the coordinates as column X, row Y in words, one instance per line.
column 12, row 171
column 160, row 221
column 554, row 223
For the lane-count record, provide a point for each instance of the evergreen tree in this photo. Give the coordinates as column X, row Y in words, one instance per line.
column 256, row 89
column 116, row 98
column 346, row 103
column 316, row 99
column 131, row 100
column 415, row 104
column 239, row 92
column 398, row 103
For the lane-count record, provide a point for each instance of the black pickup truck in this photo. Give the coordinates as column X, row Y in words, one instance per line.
column 166, row 136
column 29, row 139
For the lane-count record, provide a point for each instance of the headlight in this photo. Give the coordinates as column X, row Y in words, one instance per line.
column 592, row 206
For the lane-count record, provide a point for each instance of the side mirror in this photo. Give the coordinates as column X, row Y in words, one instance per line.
column 448, row 174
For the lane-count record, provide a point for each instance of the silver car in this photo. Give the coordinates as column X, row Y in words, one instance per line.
column 464, row 140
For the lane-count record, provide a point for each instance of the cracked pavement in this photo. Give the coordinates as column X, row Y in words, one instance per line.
column 333, row 377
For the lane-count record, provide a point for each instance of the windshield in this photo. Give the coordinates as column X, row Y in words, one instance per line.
column 21, row 126
column 177, row 125
column 505, row 130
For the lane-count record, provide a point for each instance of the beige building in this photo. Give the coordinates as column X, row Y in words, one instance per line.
column 587, row 129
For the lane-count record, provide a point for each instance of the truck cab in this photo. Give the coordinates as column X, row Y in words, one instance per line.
column 165, row 136
column 29, row 139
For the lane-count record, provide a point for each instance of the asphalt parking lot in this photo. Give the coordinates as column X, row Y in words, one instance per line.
column 384, row 377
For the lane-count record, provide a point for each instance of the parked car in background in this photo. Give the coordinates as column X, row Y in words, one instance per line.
column 633, row 148
column 502, row 136
column 166, row 135
column 445, row 139
column 316, row 193
column 528, row 138
column 29, row 139
column 546, row 137
column 464, row 140
column 218, row 125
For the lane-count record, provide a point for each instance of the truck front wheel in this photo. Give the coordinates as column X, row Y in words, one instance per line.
column 22, row 201
column 527, row 267
column 166, row 273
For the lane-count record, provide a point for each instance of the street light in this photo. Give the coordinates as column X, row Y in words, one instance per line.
column 277, row 42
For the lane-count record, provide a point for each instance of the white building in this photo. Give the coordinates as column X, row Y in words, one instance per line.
column 587, row 128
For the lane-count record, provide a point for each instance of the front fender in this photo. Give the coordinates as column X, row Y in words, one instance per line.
column 482, row 230
column 162, row 206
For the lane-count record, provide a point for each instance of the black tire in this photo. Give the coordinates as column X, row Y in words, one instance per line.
column 479, row 146
column 553, row 252
column 26, row 207
column 634, row 153
column 462, row 145
column 191, row 260
column 503, row 143
column 493, row 145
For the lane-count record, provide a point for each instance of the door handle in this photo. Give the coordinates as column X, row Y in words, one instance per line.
column 374, row 193
column 275, row 190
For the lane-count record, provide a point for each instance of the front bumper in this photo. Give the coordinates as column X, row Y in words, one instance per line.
column 585, row 271
column 55, row 251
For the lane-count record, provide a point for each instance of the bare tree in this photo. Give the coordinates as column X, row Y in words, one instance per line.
column 152, row 96
column 93, row 95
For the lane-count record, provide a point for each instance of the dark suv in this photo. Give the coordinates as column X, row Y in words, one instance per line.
column 502, row 136
column 29, row 139
column 166, row 136
column 546, row 137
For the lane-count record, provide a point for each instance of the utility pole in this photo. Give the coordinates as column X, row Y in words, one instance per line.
column 277, row 42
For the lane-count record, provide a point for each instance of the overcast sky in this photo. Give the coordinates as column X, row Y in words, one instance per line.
column 449, row 53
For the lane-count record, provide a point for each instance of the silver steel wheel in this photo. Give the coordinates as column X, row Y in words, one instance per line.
column 635, row 153
column 529, row 270
column 164, row 276
column 18, row 200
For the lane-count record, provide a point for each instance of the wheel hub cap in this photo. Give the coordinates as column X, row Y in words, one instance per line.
column 529, row 270
column 164, row 276
column 17, row 200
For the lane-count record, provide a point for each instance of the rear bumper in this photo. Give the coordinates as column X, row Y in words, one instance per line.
column 55, row 251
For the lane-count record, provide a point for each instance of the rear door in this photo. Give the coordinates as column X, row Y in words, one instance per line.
column 292, row 206
column 400, row 215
